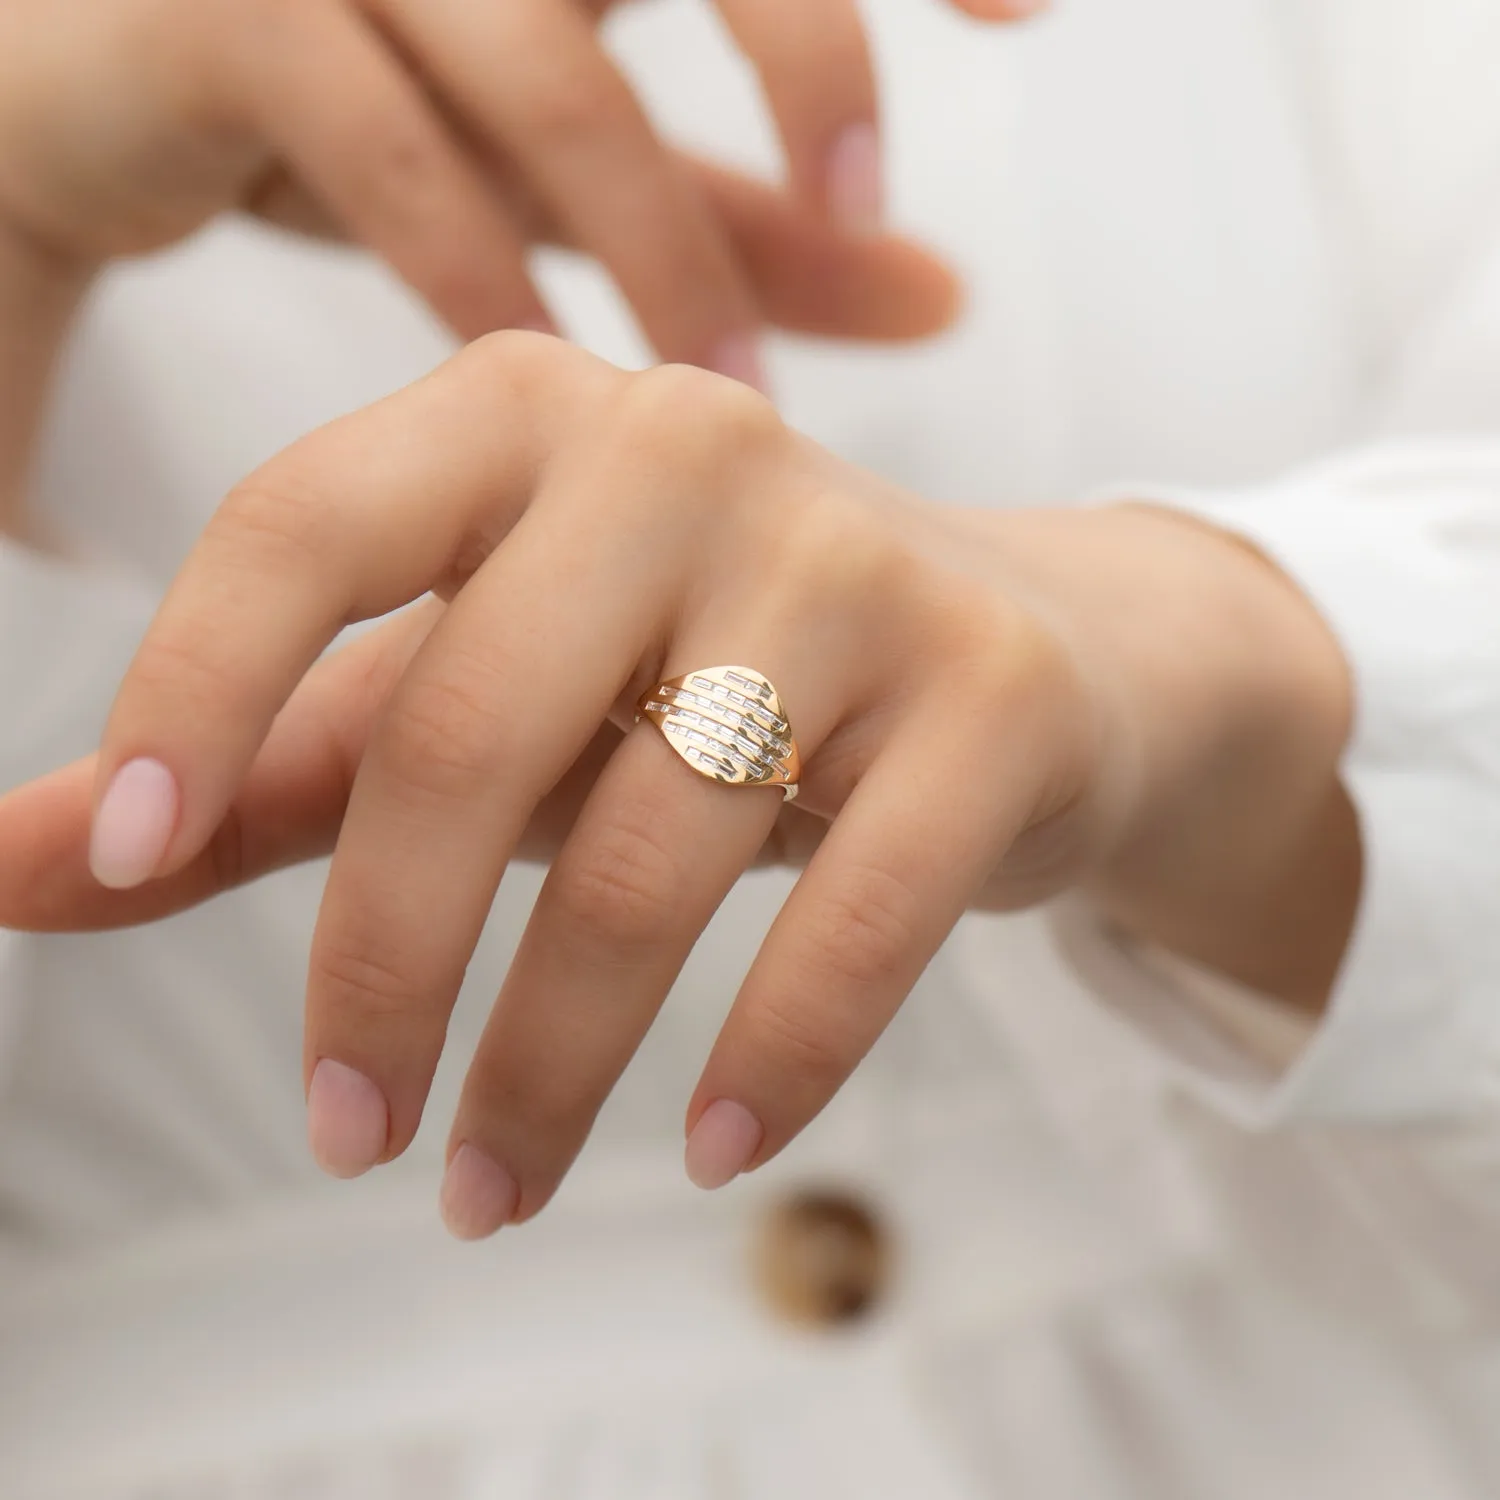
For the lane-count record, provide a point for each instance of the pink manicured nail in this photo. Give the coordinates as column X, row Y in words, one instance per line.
column 133, row 825
column 348, row 1120
column 726, row 1136
column 855, row 195
column 738, row 357
column 479, row 1196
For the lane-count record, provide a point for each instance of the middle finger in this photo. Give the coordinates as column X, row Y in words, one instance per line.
column 528, row 660
column 652, row 856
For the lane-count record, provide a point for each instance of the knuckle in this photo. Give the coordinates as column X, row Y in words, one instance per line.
column 365, row 986
column 1000, row 655
column 442, row 735
column 684, row 409
column 523, row 368
column 519, row 356
column 803, row 1045
column 863, row 932
column 280, row 516
column 873, row 560
column 838, row 552
column 175, row 666
column 555, row 1107
column 622, row 892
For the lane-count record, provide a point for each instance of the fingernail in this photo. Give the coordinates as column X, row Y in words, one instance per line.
column 738, row 357
column 478, row 1197
column 133, row 824
column 348, row 1120
column 726, row 1136
column 855, row 195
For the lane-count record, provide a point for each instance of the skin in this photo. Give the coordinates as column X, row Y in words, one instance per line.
column 422, row 130
column 992, row 708
column 449, row 137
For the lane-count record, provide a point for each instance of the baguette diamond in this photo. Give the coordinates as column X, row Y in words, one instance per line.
column 727, row 723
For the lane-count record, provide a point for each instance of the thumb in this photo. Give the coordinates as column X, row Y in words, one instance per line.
column 289, row 809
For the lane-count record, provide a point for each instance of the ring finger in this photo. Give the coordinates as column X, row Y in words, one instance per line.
column 531, row 656
column 653, row 854
column 933, row 817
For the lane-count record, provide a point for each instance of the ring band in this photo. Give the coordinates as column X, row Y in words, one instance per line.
column 728, row 724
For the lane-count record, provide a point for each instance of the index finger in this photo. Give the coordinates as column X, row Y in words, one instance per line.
column 351, row 523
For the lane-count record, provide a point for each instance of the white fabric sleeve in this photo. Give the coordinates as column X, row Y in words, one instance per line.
column 1400, row 549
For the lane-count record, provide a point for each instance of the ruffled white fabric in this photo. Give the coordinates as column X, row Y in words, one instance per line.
column 1400, row 548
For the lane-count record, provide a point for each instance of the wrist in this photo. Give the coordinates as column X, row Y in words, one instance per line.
column 1243, row 848
column 40, row 290
column 1225, row 831
column 1230, row 680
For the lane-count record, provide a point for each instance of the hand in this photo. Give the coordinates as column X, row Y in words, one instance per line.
column 448, row 136
column 990, row 707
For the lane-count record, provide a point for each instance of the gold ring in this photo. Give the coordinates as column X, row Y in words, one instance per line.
column 728, row 724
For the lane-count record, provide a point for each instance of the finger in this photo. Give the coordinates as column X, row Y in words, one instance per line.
column 815, row 64
column 536, row 85
column 810, row 278
column 352, row 522
column 528, row 661
column 655, row 851
column 288, row 810
column 328, row 95
column 806, row 275
column 894, row 873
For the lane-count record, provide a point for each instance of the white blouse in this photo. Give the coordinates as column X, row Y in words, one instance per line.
column 1154, row 1237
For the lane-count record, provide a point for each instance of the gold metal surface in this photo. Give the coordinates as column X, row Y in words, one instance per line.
column 728, row 724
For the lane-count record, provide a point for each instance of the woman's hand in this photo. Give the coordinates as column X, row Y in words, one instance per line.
column 449, row 135
column 989, row 708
